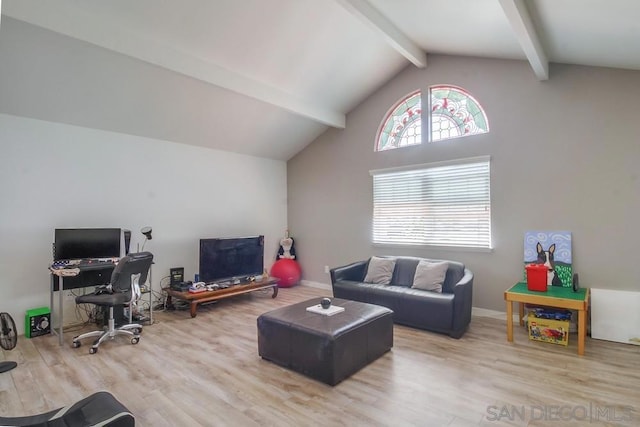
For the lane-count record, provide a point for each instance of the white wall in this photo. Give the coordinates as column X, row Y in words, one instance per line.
column 55, row 176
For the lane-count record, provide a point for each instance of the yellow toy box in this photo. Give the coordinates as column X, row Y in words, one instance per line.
column 548, row 330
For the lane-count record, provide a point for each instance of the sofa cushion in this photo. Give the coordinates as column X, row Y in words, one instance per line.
column 405, row 271
column 380, row 270
column 430, row 276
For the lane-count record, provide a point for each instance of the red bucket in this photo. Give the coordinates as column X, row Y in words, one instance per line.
column 536, row 277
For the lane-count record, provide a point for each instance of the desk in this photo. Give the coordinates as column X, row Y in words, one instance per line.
column 197, row 298
column 84, row 277
column 554, row 297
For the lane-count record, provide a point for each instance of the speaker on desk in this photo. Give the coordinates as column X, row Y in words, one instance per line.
column 127, row 241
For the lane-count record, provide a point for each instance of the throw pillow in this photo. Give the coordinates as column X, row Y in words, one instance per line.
column 430, row 275
column 380, row 270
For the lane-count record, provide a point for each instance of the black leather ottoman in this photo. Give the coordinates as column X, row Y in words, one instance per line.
column 326, row 348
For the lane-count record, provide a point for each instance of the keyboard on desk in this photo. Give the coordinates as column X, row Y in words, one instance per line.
column 91, row 263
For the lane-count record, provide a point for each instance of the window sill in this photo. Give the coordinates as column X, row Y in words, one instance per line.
column 433, row 247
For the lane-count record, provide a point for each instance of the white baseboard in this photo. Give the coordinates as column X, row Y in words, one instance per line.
column 494, row 314
column 313, row 284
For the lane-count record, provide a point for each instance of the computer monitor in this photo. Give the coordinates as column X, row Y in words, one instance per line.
column 82, row 243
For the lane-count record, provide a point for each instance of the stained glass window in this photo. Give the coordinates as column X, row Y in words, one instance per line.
column 453, row 113
column 403, row 125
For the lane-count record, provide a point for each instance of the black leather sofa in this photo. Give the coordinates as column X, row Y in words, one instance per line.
column 448, row 312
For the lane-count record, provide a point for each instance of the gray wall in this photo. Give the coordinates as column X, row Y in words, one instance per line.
column 564, row 153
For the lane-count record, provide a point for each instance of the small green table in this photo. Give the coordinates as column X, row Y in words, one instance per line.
column 555, row 296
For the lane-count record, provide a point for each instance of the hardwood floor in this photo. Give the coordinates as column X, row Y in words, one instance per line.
column 206, row 372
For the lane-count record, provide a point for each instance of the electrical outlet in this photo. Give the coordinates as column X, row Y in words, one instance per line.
column 326, row 269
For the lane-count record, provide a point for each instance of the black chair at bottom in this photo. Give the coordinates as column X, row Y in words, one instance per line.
column 123, row 290
column 99, row 409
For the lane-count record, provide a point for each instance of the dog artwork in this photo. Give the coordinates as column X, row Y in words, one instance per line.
column 546, row 258
column 553, row 250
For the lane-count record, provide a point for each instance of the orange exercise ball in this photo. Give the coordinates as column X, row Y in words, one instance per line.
column 287, row 271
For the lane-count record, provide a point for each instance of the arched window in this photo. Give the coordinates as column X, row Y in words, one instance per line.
column 402, row 126
column 453, row 113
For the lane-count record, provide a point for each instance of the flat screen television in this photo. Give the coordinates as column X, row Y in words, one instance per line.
column 82, row 243
column 224, row 259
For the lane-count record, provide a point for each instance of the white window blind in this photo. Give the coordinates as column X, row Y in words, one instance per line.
column 438, row 204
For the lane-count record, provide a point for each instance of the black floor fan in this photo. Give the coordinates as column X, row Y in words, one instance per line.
column 8, row 339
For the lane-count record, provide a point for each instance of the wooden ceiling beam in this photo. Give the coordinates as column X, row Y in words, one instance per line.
column 371, row 17
column 522, row 25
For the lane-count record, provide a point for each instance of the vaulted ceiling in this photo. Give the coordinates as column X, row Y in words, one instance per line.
column 266, row 77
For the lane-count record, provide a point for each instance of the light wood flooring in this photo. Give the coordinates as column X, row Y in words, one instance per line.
column 206, row 372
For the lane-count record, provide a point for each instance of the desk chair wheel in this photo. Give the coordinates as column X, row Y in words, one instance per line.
column 75, row 343
column 135, row 340
column 93, row 350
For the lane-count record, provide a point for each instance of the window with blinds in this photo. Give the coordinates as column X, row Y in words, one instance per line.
column 439, row 204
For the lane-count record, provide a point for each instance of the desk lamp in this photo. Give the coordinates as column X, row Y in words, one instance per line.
column 147, row 235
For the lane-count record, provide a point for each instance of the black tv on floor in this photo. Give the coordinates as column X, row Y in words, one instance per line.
column 231, row 259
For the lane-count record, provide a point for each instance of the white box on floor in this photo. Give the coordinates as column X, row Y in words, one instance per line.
column 615, row 315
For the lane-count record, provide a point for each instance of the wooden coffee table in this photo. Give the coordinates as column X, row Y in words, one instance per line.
column 201, row 297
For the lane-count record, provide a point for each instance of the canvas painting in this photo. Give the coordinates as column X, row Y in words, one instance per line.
column 553, row 249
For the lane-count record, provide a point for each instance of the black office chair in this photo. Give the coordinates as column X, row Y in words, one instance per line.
column 124, row 290
column 99, row 409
